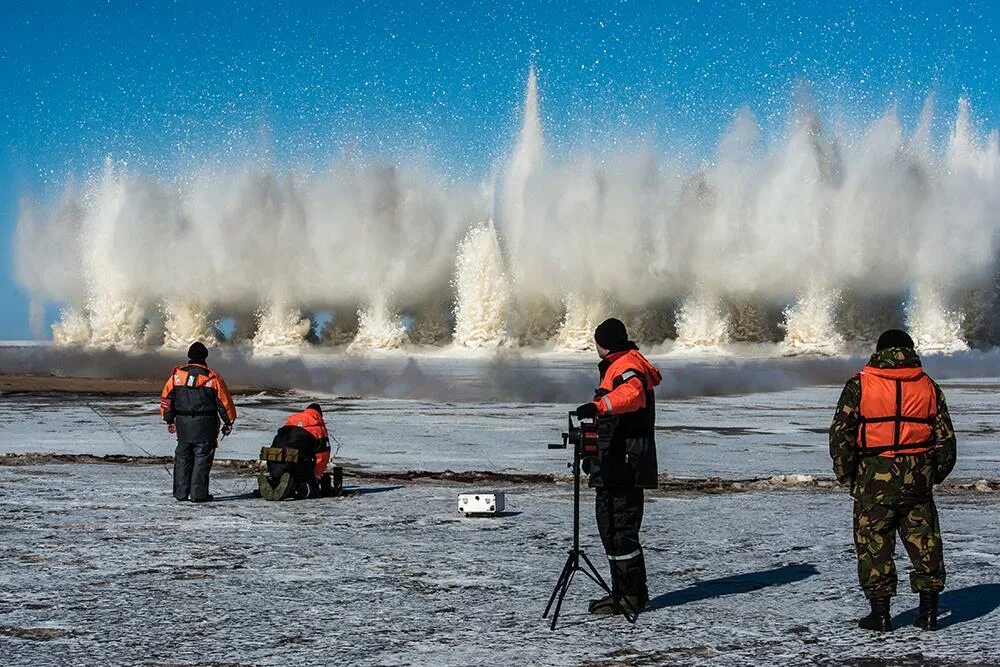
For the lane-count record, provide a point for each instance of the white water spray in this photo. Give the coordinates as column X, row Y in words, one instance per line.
column 583, row 314
column 72, row 329
column 483, row 294
column 187, row 322
column 702, row 324
column 379, row 328
column 932, row 325
column 810, row 324
column 876, row 214
column 280, row 327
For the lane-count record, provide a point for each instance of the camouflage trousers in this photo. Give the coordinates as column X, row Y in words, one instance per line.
column 875, row 528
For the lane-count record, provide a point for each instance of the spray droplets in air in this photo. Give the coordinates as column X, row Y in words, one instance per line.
column 812, row 240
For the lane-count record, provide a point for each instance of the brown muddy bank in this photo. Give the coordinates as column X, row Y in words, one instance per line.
column 668, row 485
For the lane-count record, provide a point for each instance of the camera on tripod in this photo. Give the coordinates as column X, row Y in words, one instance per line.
column 589, row 438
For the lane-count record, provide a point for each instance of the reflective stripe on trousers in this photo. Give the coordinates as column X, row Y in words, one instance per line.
column 628, row 556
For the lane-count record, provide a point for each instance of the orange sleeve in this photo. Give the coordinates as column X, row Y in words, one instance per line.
column 629, row 396
column 225, row 398
column 167, row 400
column 322, row 459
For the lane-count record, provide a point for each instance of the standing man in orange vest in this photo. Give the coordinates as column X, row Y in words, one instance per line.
column 891, row 441
column 626, row 466
column 195, row 403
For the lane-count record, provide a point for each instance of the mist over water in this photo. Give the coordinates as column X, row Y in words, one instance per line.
column 508, row 378
column 808, row 244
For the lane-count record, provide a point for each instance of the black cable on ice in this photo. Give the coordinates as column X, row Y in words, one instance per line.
column 127, row 440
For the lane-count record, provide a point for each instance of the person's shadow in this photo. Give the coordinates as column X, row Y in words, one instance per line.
column 959, row 606
column 738, row 583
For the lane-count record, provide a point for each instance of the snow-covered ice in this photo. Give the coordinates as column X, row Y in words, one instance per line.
column 101, row 566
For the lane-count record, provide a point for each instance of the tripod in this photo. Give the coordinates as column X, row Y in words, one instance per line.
column 577, row 561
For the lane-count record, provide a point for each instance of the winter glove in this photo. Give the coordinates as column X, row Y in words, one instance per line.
column 227, row 429
column 586, row 411
column 171, row 428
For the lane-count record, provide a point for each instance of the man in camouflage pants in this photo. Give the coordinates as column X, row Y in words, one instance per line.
column 891, row 441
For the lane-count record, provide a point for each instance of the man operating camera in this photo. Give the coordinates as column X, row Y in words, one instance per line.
column 626, row 465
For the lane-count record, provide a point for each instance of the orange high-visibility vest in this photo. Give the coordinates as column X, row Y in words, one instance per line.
column 898, row 407
column 311, row 421
column 182, row 379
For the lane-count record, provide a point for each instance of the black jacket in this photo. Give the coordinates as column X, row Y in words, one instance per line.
column 198, row 405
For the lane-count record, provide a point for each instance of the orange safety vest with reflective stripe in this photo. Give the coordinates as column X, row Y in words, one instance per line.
column 313, row 423
column 898, row 407
column 626, row 378
column 182, row 378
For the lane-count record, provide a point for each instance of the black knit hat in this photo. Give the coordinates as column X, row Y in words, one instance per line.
column 314, row 406
column 197, row 353
column 893, row 338
column 611, row 335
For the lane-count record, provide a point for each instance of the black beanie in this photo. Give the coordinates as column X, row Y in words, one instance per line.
column 314, row 406
column 893, row 338
column 197, row 353
column 611, row 335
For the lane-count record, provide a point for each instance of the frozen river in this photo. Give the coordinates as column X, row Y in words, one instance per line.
column 737, row 436
column 101, row 566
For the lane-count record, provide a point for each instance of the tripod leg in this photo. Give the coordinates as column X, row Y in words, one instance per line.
column 561, row 584
column 559, row 600
column 594, row 574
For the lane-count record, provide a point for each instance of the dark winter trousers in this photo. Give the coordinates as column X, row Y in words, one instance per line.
column 192, row 463
column 619, row 517
column 875, row 528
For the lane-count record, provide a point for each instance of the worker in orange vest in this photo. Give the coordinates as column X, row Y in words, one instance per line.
column 627, row 466
column 196, row 405
column 891, row 441
column 297, row 458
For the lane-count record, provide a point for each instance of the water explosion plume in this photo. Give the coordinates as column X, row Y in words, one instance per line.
column 817, row 238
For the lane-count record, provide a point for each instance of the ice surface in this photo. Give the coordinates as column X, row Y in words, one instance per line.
column 101, row 566
column 736, row 437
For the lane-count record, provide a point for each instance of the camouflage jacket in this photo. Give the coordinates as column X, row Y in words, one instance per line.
column 889, row 481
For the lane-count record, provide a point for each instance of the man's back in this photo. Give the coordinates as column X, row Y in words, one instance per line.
column 891, row 441
column 890, row 477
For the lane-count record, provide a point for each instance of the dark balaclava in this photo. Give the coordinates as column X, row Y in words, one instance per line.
column 314, row 406
column 611, row 335
column 893, row 338
column 197, row 353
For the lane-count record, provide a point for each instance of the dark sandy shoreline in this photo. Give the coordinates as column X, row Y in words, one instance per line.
column 36, row 383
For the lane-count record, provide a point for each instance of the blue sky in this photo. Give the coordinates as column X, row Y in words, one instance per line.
column 167, row 85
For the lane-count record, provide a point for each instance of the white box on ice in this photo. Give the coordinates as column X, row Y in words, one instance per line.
column 481, row 504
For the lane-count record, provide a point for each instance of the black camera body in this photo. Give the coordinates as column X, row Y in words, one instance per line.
column 590, row 437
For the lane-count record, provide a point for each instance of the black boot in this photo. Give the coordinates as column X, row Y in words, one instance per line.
column 927, row 615
column 633, row 604
column 879, row 620
column 603, row 606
